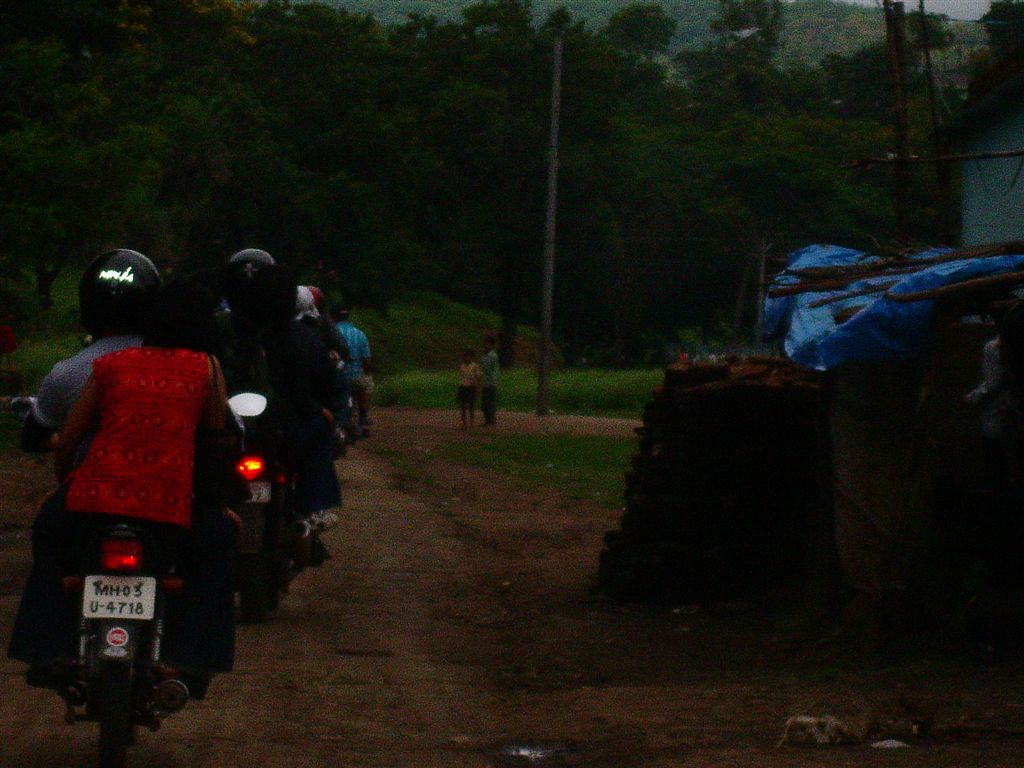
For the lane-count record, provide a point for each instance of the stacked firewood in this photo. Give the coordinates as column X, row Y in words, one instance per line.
column 729, row 490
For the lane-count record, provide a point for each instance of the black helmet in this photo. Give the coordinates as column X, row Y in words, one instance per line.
column 248, row 261
column 114, row 290
column 240, row 275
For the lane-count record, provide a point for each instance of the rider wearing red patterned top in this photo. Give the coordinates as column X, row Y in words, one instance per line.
column 141, row 462
column 145, row 405
column 133, row 426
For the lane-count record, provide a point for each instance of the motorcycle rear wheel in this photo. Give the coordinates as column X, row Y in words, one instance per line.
column 114, row 702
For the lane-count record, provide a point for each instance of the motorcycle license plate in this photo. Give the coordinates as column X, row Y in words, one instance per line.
column 119, row 597
column 259, row 492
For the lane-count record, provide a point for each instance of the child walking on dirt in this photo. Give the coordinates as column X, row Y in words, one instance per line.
column 489, row 382
column 470, row 375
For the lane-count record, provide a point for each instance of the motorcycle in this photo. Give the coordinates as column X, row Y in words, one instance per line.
column 125, row 581
column 122, row 590
column 275, row 545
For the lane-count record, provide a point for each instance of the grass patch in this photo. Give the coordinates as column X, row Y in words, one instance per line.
column 426, row 330
column 586, row 467
column 586, row 392
column 44, row 338
column 35, row 357
column 49, row 335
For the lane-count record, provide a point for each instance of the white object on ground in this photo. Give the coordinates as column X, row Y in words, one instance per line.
column 814, row 729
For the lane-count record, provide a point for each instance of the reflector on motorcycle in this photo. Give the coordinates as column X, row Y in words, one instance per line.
column 172, row 584
column 122, row 555
column 250, row 467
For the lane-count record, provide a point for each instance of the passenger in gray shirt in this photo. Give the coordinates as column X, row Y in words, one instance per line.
column 63, row 384
column 112, row 294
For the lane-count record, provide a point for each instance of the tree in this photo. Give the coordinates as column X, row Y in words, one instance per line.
column 930, row 29
column 751, row 27
column 1004, row 24
column 413, row 157
column 644, row 29
column 857, row 85
column 69, row 172
column 736, row 70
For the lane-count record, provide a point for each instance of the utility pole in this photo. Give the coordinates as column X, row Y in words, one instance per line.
column 762, row 276
column 932, row 101
column 942, row 175
column 741, row 295
column 895, row 36
column 548, row 290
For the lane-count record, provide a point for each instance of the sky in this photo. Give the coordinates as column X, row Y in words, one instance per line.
column 955, row 9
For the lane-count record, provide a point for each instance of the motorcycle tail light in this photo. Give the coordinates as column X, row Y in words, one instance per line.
column 121, row 555
column 172, row 584
column 250, row 467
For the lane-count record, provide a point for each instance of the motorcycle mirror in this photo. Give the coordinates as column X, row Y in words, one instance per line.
column 21, row 407
column 248, row 404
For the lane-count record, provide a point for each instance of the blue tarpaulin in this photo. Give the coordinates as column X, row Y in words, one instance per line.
column 884, row 330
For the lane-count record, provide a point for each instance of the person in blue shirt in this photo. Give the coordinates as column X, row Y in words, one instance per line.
column 360, row 364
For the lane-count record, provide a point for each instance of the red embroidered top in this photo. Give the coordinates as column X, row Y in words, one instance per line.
column 141, row 461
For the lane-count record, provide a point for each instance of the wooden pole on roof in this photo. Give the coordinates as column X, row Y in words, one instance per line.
column 942, row 177
column 741, row 294
column 867, row 162
column 895, row 36
column 766, row 248
column 975, row 285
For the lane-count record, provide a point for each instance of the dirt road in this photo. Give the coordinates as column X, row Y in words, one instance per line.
column 455, row 626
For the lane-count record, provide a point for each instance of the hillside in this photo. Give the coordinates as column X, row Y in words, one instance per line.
column 816, row 28
column 813, row 28
column 418, row 331
column 427, row 331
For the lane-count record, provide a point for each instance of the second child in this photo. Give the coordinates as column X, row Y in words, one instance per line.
column 490, row 369
column 470, row 375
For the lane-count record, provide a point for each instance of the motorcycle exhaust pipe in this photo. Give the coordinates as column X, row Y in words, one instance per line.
column 170, row 696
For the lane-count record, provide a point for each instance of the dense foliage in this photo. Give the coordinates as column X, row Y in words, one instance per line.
column 1005, row 24
column 380, row 159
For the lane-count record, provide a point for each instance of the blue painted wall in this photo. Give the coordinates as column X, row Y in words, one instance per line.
column 993, row 190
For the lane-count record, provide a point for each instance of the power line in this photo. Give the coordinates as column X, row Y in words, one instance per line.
column 890, row 160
